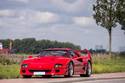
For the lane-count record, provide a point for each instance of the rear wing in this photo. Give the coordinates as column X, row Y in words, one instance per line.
column 82, row 52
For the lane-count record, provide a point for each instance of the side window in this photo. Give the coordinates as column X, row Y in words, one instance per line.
column 72, row 53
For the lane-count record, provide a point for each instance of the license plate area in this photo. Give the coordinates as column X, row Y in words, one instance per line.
column 38, row 73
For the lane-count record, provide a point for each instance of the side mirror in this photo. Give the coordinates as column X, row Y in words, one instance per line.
column 30, row 56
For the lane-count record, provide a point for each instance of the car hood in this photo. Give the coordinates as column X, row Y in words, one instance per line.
column 46, row 61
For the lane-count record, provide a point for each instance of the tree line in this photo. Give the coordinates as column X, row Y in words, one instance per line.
column 31, row 45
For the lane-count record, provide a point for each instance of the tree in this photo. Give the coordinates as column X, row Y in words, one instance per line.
column 5, row 43
column 104, row 14
column 120, row 12
column 16, row 46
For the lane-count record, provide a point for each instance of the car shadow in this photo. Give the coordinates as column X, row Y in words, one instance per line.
column 54, row 77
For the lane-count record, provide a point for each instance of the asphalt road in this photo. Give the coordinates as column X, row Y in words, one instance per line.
column 96, row 78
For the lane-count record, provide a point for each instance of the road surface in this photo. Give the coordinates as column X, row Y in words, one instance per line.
column 95, row 78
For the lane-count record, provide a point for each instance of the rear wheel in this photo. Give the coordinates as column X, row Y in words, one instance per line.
column 27, row 76
column 70, row 70
column 88, row 71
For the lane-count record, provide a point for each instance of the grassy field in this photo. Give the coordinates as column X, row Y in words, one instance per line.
column 108, row 64
column 9, row 71
column 101, row 64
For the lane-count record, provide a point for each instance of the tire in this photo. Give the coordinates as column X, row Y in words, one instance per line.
column 70, row 70
column 88, row 71
column 27, row 76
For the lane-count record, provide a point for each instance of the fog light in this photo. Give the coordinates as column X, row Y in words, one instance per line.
column 23, row 71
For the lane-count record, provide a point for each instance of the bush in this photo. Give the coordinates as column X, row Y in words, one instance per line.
column 6, row 61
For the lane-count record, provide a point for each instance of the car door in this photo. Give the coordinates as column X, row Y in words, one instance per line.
column 78, row 65
column 86, row 56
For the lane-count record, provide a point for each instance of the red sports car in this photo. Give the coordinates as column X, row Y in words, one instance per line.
column 58, row 61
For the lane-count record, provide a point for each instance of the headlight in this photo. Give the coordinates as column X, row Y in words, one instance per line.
column 24, row 65
column 58, row 65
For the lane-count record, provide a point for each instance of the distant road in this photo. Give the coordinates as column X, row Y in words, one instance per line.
column 95, row 78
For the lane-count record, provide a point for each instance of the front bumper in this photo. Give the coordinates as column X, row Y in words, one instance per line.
column 47, row 71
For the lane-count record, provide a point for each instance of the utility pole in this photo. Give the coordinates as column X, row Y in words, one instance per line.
column 10, row 45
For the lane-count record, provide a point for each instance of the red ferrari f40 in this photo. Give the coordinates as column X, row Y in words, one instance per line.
column 58, row 61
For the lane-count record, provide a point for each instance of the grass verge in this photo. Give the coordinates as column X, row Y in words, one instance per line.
column 9, row 71
column 108, row 64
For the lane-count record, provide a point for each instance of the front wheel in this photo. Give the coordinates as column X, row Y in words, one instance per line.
column 70, row 70
column 88, row 71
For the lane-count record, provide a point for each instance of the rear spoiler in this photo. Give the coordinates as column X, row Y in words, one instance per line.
column 85, row 51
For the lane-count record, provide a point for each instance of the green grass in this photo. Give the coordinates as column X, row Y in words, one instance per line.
column 9, row 71
column 108, row 64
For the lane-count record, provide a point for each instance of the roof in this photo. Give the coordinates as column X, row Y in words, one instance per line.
column 59, row 49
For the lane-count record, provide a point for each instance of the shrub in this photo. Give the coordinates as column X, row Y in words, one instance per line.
column 6, row 61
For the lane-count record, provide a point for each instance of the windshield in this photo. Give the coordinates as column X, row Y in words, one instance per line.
column 53, row 53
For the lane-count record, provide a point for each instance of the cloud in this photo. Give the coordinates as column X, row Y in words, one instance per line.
column 45, row 17
column 69, row 6
column 83, row 21
column 6, row 13
column 26, row 17
column 23, row 1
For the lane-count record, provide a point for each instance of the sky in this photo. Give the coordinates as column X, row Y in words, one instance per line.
column 61, row 20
